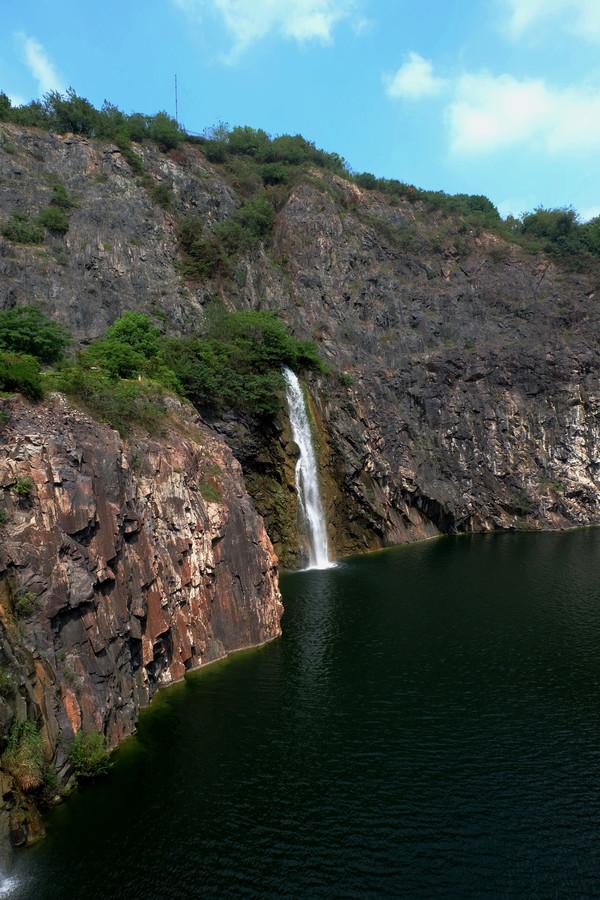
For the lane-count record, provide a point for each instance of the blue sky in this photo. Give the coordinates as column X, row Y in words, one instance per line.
column 500, row 97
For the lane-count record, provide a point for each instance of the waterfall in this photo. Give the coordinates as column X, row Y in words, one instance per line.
column 307, row 477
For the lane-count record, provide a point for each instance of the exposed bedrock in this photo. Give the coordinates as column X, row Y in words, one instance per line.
column 469, row 398
column 137, row 560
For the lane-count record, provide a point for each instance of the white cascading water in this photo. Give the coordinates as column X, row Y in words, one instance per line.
column 307, row 477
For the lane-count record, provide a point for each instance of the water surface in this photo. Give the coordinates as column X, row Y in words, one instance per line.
column 428, row 726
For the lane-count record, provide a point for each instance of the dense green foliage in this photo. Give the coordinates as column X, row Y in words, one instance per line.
column 26, row 329
column 71, row 113
column 222, row 143
column 55, row 219
column 122, row 378
column 23, row 230
column 60, row 196
column 556, row 231
column 20, row 372
column 208, row 253
column 24, row 605
column 89, row 756
column 262, row 168
column 23, row 486
column 27, row 337
column 24, row 756
column 237, row 364
column 118, row 402
column 474, row 208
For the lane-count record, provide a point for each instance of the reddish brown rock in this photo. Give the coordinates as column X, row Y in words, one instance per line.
column 136, row 577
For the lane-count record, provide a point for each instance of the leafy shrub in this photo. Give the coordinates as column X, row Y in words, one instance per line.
column 237, row 365
column 206, row 256
column 20, row 372
column 121, row 404
column 209, row 492
column 3, row 518
column 24, row 756
column 203, row 256
column 70, row 112
column 275, row 173
column 7, row 686
column 248, row 141
column 26, row 329
column 245, row 173
column 118, row 359
column 216, row 151
column 25, row 605
column 163, row 195
column 163, row 129
column 22, row 230
column 89, row 756
column 135, row 161
column 23, row 486
column 55, row 219
column 136, row 330
column 255, row 217
column 5, row 106
column 60, row 196
column 559, row 228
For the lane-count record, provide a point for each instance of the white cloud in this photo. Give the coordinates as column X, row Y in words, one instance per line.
column 589, row 212
column 490, row 112
column 580, row 17
column 515, row 207
column 39, row 65
column 250, row 20
column 413, row 80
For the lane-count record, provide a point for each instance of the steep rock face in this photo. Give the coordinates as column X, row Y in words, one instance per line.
column 120, row 250
column 138, row 560
column 474, row 401
column 470, row 391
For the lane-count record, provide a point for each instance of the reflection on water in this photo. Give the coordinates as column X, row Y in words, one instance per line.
column 316, row 623
column 426, row 727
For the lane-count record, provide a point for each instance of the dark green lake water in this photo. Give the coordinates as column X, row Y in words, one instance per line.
column 428, row 726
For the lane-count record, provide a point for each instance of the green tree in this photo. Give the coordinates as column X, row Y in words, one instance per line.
column 25, row 329
column 22, row 230
column 70, row 112
column 19, row 372
column 115, row 357
column 136, row 330
column 55, row 219
column 165, row 131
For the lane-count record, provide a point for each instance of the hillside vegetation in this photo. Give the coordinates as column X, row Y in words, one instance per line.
column 263, row 168
column 123, row 377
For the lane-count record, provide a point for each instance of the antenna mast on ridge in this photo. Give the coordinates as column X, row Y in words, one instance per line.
column 176, row 104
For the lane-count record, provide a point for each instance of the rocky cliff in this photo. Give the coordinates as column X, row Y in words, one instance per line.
column 468, row 396
column 122, row 565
